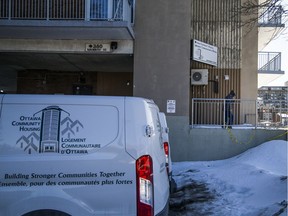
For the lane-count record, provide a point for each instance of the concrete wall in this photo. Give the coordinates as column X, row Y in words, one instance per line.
column 163, row 32
column 62, row 46
column 162, row 51
column 206, row 144
column 249, row 66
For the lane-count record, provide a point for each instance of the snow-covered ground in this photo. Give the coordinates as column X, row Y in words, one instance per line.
column 253, row 183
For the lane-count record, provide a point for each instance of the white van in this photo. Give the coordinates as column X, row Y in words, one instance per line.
column 81, row 156
column 166, row 144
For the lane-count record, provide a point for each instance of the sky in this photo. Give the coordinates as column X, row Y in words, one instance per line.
column 253, row 183
column 280, row 44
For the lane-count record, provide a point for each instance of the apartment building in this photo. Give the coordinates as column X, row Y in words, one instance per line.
column 169, row 51
column 66, row 47
column 270, row 62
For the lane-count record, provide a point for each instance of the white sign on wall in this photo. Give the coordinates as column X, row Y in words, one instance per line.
column 171, row 106
column 98, row 47
column 204, row 52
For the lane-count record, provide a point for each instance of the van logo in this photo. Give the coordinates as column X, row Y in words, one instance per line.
column 51, row 128
column 28, row 143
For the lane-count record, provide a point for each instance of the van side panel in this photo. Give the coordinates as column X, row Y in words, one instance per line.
column 78, row 190
column 65, row 153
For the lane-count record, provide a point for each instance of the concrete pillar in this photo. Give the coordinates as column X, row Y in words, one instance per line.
column 249, row 66
column 162, row 52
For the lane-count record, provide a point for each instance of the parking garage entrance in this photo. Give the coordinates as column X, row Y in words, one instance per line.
column 66, row 73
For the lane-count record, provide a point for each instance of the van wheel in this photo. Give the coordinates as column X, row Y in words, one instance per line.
column 46, row 212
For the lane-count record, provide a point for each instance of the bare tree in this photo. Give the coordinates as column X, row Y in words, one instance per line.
column 270, row 13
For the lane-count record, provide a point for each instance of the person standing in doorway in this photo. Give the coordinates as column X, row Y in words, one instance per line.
column 229, row 116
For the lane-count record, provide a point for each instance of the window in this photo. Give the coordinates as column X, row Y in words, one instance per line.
column 106, row 9
column 99, row 9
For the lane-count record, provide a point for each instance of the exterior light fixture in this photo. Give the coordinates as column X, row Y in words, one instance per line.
column 113, row 45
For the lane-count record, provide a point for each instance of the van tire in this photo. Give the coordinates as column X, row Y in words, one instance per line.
column 46, row 212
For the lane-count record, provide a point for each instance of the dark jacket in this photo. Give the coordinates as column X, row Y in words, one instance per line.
column 229, row 101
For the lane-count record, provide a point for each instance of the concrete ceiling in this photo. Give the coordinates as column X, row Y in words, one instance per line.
column 266, row 79
column 67, row 62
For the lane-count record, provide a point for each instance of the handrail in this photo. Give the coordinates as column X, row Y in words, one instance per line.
column 271, row 15
column 244, row 113
column 86, row 10
column 269, row 62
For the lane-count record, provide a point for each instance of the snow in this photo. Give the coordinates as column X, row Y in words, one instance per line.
column 250, row 184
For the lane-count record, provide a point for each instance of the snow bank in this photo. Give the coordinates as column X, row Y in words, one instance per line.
column 270, row 156
column 252, row 183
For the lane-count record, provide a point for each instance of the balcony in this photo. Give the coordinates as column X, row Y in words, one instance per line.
column 269, row 63
column 271, row 17
column 269, row 22
column 66, row 19
column 269, row 67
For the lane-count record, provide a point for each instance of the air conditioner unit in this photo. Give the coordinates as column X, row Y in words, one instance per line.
column 199, row 76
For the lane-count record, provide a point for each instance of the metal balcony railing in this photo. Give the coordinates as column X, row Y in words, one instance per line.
column 243, row 113
column 269, row 62
column 99, row 10
column 271, row 16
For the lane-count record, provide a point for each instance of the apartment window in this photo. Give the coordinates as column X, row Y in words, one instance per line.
column 99, row 9
column 118, row 9
column 106, row 9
